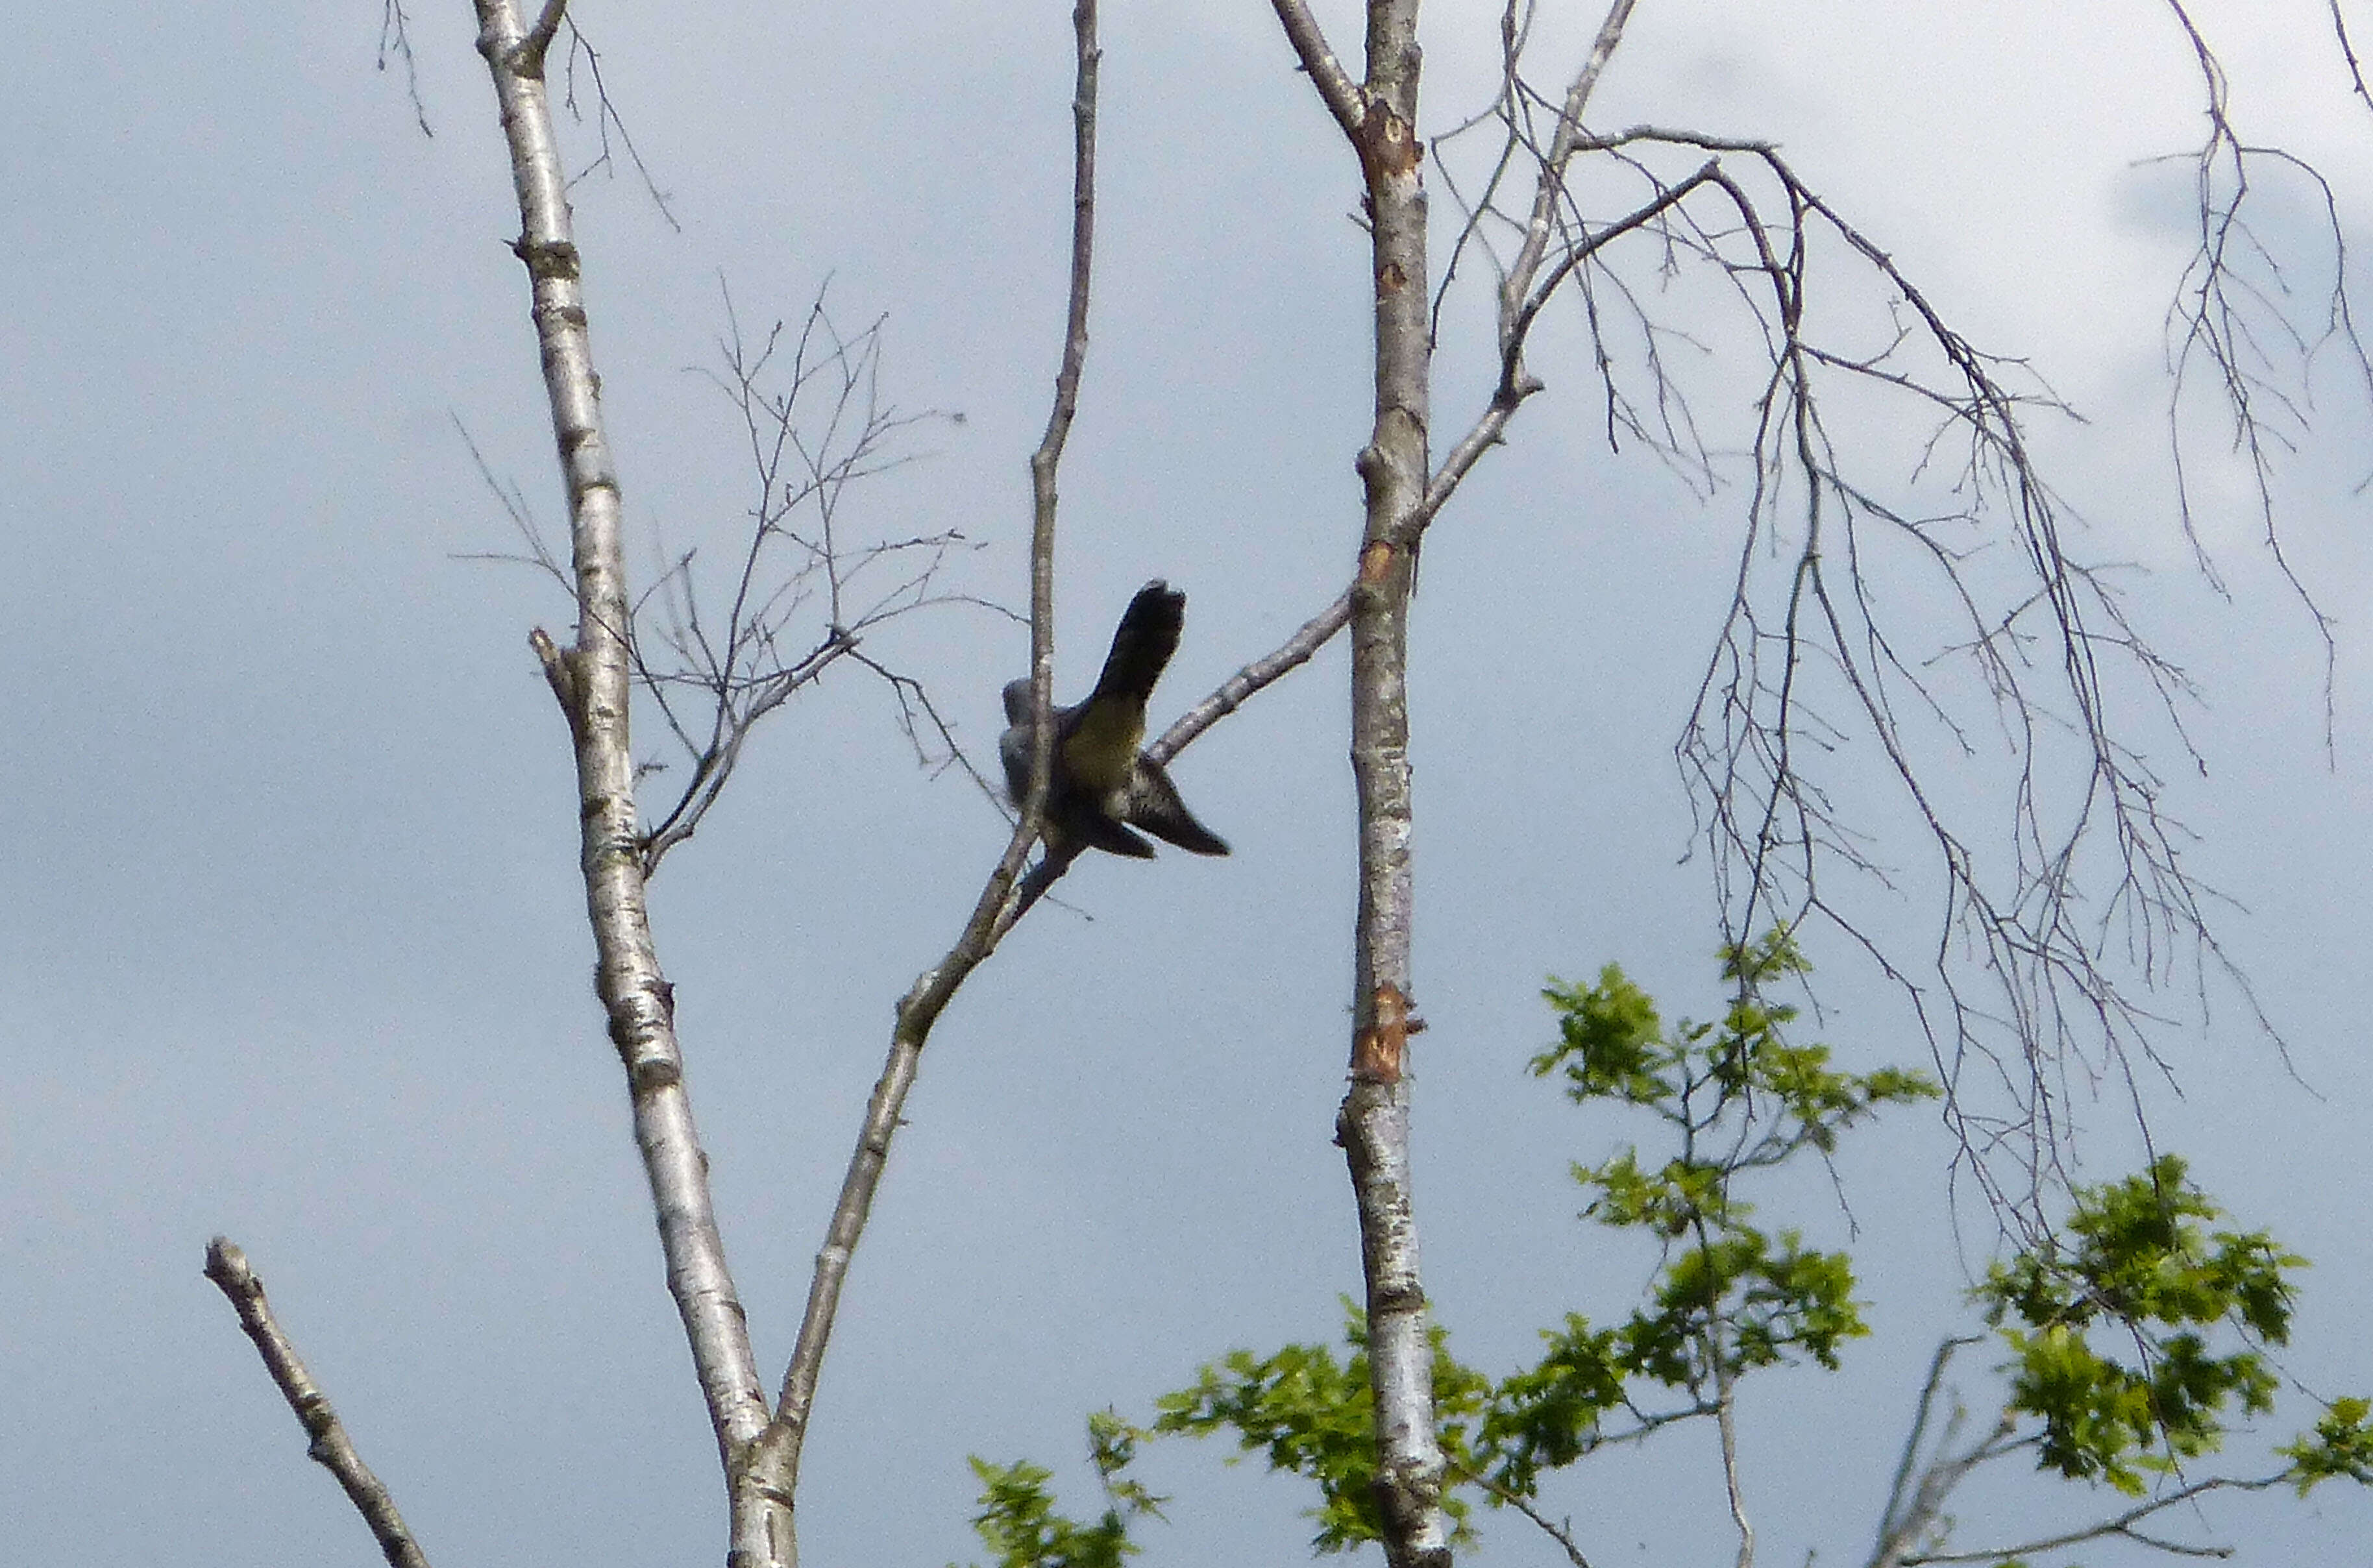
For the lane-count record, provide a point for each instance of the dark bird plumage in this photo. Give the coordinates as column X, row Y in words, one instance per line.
column 1103, row 784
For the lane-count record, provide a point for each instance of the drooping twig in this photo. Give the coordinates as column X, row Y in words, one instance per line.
column 329, row 1447
column 2045, row 664
column 395, row 39
column 2233, row 319
column 2051, row 657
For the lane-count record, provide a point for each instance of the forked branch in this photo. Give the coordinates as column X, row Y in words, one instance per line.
column 594, row 680
column 718, row 658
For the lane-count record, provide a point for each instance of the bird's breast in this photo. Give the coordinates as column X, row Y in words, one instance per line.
column 1101, row 753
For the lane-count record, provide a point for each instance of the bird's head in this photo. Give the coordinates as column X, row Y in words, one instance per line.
column 1017, row 701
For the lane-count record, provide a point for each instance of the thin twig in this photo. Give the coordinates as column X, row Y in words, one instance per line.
column 920, row 1009
column 2118, row 1526
column 396, row 37
column 715, row 663
column 1231, row 693
column 2348, row 53
column 1508, row 1497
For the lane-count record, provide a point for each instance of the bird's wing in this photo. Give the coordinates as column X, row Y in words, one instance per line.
column 1013, row 750
column 1013, row 747
column 1081, row 821
column 1153, row 805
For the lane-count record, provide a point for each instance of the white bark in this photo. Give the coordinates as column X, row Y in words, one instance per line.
column 1379, row 117
column 592, row 680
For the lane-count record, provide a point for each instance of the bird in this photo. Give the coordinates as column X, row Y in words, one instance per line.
column 1102, row 785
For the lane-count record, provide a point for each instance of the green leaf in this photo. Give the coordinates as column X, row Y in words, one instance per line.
column 1548, row 1415
column 1018, row 1523
column 2138, row 1262
column 1313, row 1416
column 2341, row 1447
column 1610, row 1043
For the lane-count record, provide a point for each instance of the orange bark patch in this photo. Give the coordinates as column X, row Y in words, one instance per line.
column 1388, row 144
column 1377, row 1052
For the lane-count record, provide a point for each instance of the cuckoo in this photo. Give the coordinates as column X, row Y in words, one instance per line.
column 1102, row 786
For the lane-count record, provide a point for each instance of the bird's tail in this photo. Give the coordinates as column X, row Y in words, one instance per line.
column 1142, row 644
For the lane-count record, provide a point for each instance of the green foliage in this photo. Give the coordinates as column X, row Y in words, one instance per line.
column 1612, row 1045
column 1312, row 1415
column 1547, row 1416
column 2340, row 1447
column 2135, row 1259
column 2136, row 1335
column 1018, row 1523
column 1728, row 1297
column 1734, row 1097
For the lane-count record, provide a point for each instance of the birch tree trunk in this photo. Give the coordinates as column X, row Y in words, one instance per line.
column 1380, row 119
column 592, row 681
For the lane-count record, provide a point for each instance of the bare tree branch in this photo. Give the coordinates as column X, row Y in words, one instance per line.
column 2052, row 663
column 1379, row 119
column 2348, row 55
column 1233, row 692
column 1516, row 289
column 330, row 1446
column 1561, row 1533
column 920, row 1009
column 814, row 426
column 593, row 681
column 1516, row 383
column 1343, row 97
column 606, row 118
column 1726, row 1424
column 1916, row 1500
column 2232, row 319
column 1916, row 1497
column 2118, row 1528
column 1769, row 823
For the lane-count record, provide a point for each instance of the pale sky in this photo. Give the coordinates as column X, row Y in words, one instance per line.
column 297, row 952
